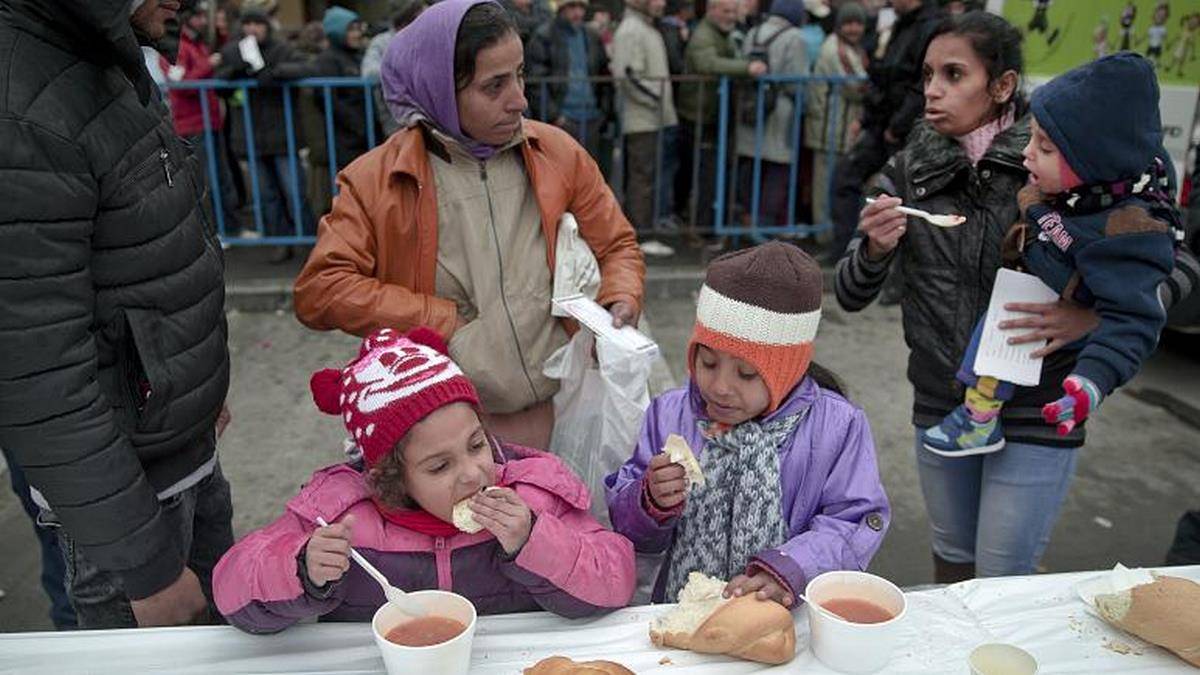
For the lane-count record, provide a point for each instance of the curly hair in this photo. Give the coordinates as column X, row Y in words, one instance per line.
column 385, row 480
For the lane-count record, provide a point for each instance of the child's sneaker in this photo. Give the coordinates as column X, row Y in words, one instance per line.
column 960, row 436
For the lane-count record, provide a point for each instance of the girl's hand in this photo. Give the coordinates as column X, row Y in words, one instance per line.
column 327, row 554
column 883, row 226
column 504, row 514
column 762, row 585
column 666, row 481
column 1061, row 322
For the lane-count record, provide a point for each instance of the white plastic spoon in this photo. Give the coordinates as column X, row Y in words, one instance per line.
column 939, row 221
column 394, row 595
column 820, row 608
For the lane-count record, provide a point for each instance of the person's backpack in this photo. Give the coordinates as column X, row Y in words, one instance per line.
column 747, row 89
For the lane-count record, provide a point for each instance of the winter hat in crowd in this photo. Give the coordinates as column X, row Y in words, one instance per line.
column 792, row 10
column 395, row 382
column 762, row 305
column 1103, row 117
column 850, row 12
column 337, row 22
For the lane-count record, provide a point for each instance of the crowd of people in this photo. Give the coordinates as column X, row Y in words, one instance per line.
column 637, row 90
column 439, row 251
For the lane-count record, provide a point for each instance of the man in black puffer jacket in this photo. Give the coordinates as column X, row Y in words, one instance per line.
column 113, row 357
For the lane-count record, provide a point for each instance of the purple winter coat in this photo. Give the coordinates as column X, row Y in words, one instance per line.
column 833, row 500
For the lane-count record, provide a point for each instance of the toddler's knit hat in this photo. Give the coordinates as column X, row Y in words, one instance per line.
column 762, row 305
column 395, row 382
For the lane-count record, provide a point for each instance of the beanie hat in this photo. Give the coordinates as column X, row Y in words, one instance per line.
column 395, row 382
column 1103, row 117
column 761, row 305
column 850, row 12
column 337, row 22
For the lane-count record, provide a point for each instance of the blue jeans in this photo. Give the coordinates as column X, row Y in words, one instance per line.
column 275, row 191
column 54, row 566
column 996, row 510
column 201, row 515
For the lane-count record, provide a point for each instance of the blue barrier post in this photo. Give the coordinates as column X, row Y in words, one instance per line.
column 830, row 155
column 794, row 169
column 293, row 169
column 658, row 160
column 369, row 100
column 252, row 159
column 756, row 172
column 722, row 148
column 330, row 145
column 214, row 178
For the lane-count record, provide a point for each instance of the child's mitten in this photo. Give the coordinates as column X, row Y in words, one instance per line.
column 1083, row 396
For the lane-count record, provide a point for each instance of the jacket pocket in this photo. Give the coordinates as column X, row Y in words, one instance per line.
column 142, row 377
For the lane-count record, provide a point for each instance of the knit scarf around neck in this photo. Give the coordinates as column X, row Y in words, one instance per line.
column 976, row 143
column 739, row 511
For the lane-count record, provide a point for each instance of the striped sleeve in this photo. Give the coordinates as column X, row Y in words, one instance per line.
column 858, row 278
column 1183, row 280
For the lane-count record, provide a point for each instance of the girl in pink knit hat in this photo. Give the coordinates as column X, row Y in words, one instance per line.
column 527, row 541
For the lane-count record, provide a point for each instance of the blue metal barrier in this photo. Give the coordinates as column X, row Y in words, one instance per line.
column 720, row 189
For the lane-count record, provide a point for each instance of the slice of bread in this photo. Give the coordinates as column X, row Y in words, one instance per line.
column 745, row 627
column 464, row 517
column 1165, row 612
column 679, row 452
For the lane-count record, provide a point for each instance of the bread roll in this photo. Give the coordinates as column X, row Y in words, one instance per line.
column 1165, row 612
column 561, row 665
column 745, row 627
column 464, row 517
column 679, row 452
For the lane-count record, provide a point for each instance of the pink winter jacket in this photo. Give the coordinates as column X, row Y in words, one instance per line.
column 571, row 565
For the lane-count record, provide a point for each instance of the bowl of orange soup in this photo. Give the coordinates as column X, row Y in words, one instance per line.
column 439, row 642
column 861, row 623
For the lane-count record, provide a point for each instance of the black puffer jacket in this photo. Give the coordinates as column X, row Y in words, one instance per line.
column 949, row 272
column 113, row 357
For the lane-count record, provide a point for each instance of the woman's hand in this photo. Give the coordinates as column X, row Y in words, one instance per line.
column 1061, row 322
column 504, row 514
column 883, row 226
column 327, row 553
column 762, row 585
column 666, row 482
column 623, row 314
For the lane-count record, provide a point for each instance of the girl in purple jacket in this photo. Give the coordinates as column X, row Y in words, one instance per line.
column 412, row 414
column 791, row 485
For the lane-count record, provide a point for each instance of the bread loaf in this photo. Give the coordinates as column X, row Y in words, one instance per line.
column 561, row 665
column 679, row 452
column 1165, row 612
column 745, row 627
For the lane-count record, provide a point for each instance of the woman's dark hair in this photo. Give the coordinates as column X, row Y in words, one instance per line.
column 483, row 26
column 996, row 42
column 826, row 379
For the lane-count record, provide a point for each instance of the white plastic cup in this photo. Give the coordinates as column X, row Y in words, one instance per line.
column 997, row 658
column 452, row 657
column 850, row 647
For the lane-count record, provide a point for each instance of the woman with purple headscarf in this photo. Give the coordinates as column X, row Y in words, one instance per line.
column 453, row 221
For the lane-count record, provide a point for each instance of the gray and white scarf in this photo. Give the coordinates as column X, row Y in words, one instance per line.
column 739, row 511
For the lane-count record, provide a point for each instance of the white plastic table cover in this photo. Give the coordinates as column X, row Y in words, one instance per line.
column 1042, row 614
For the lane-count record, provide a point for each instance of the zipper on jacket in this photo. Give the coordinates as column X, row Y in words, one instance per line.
column 165, row 158
column 500, row 267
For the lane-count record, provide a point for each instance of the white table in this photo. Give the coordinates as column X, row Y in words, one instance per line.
column 1042, row 614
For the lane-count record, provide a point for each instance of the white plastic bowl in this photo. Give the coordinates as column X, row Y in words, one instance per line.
column 854, row 647
column 452, row 657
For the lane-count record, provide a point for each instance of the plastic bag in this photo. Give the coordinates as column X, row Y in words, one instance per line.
column 598, row 409
column 575, row 266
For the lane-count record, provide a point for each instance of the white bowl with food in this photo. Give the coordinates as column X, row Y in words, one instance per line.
column 439, row 642
column 860, row 626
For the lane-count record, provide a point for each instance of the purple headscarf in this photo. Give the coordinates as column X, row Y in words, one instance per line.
column 418, row 72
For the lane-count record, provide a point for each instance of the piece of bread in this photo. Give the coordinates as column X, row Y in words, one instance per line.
column 1165, row 612
column 745, row 627
column 679, row 452
column 464, row 517
column 561, row 665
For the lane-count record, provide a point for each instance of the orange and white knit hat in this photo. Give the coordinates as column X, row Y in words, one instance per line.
column 761, row 305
